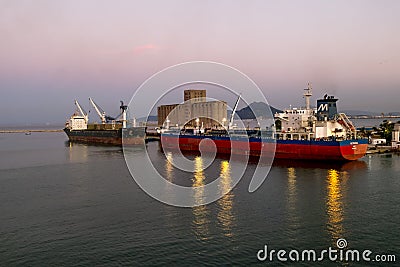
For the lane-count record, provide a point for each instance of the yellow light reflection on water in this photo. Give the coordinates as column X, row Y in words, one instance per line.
column 334, row 205
column 169, row 176
column 291, row 172
column 77, row 152
column 292, row 195
column 201, row 219
column 169, row 167
column 225, row 214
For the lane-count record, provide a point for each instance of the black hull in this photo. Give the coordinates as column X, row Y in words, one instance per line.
column 128, row 136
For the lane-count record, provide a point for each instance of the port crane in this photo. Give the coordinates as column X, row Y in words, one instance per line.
column 102, row 114
column 233, row 112
column 82, row 111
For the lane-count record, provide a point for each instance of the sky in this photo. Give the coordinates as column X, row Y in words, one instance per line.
column 52, row 52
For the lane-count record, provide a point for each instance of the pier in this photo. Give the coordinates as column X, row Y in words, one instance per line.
column 379, row 149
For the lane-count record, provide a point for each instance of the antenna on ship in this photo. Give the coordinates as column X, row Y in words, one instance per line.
column 307, row 94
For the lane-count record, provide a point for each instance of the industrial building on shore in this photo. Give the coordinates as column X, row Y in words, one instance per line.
column 396, row 136
column 195, row 111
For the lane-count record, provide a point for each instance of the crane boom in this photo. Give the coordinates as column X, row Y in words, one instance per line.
column 233, row 112
column 81, row 110
column 99, row 111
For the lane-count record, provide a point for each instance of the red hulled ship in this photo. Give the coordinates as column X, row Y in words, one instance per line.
column 307, row 133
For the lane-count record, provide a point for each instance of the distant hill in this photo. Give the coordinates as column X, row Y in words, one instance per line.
column 259, row 108
column 149, row 118
column 359, row 113
column 256, row 109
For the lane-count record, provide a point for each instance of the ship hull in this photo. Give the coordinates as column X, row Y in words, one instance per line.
column 321, row 150
column 118, row 137
column 331, row 150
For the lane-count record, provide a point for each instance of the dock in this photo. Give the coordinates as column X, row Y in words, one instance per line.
column 379, row 149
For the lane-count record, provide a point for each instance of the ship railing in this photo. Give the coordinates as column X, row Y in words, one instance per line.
column 347, row 123
column 305, row 137
column 294, row 136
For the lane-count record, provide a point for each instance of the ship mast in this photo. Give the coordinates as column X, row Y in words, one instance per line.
column 123, row 112
column 307, row 94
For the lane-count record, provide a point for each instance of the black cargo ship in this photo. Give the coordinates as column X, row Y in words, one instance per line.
column 112, row 131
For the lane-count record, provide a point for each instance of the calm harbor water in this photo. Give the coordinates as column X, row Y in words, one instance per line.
column 65, row 204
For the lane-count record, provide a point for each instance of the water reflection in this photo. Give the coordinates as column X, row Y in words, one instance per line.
column 225, row 214
column 169, row 167
column 303, row 164
column 201, row 219
column 77, row 152
column 292, row 196
column 334, row 203
column 169, row 176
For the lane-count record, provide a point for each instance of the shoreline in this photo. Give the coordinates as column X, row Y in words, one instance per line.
column 31, row 131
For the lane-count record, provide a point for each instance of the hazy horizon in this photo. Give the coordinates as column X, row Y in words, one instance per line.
column 53, row 52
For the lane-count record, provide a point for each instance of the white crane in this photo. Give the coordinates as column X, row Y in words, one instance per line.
column 99, row 111
column 80, row 109
column 233, row 112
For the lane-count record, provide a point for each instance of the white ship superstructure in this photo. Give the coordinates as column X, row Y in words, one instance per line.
column 314, row 123
column 78, row 120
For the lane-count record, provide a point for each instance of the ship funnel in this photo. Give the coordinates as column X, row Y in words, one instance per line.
column 326, row 108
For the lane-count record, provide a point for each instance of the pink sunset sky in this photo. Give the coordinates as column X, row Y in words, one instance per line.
column 52, row 52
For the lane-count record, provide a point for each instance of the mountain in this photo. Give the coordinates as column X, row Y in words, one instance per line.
column 359, row 113
column 149, row 118
column 259, row 108
column 256, row 109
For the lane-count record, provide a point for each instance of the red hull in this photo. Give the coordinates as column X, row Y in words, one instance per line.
column 288, row 149
column 320, row 152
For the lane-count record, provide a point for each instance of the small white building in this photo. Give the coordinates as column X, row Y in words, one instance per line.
column 378, row 141
column 396, row 136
